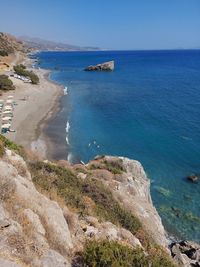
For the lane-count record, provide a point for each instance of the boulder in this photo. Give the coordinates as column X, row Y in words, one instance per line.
column 54, row 259
column 45, row 215
column 186, row 253
column 8, row 263
column 106, row 66
column 193, row 178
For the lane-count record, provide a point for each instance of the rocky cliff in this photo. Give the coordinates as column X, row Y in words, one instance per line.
column 10, row 44
column 55, row 214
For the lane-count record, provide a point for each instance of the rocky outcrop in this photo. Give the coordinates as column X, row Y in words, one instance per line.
column 36, row 231
column 186, row 253
column 30, row 223
column 106, row 66
column 193, row 178
column 133, row 186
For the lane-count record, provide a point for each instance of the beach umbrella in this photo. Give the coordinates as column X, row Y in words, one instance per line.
column 6, row 126
column 9, row 101
column 8, row 108
column 6, row 112
column 6, row 118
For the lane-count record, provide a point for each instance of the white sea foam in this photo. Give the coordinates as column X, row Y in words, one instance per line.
column 65, row 90
column 70, row 157
column 186, row 138
column 67, row 131
column 67, row 127
column 67, row 140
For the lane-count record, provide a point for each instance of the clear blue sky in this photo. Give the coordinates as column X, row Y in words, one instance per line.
column 111, row 24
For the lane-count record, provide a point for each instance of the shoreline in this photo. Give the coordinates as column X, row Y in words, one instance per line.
column 32, row 115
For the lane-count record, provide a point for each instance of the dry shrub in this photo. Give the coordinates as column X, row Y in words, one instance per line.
column 7, row 188
column 71, row 219
column 103, row 175
column 89, row 204
column 20, row 167
column 2, row 149
column 23, row 247
column 33, row 155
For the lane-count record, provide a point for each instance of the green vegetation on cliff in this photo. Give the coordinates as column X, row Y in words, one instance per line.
column 6, row 83
column 6, row 143
column 88, row 197
column 3, row 53
column 114, row 254
column 21, row 70
column 115, row 167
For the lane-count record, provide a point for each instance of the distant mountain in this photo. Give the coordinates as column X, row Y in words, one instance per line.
column 40, row 44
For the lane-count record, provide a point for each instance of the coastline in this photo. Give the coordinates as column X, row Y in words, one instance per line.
column 36, row 105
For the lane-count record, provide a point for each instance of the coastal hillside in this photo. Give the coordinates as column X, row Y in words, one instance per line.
column 12, row 51
column 45, row 45
column 99, row 214
column 10, row 44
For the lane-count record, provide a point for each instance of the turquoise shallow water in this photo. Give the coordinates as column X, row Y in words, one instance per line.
column 147, row 109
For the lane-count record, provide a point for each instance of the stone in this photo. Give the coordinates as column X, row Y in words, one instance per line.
column 182, row 260
column 24, row 191
column 106, row 66
column 4, row 223
column 8, row 263
column 193, row 178
column 102, row 174
column 53, row 259
column 186, row 253
column 82, row 175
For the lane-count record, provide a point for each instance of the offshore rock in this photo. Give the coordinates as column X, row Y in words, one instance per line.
column 106, row 66
column 192, row 178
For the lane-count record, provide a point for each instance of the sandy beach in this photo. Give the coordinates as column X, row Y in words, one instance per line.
column 35, row 105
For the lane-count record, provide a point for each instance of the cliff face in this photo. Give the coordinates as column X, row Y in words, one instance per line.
column 132, row 189
column 49, row 225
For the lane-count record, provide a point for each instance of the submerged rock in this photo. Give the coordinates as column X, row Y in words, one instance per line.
column 106, row 66
column 193, row 178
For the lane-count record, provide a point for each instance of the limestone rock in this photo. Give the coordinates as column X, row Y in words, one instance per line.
column 134, row 187
column 53, row 259
column 186, row 253
column 7, row 263
column 193, row 178
column 106, row 66
column 25, row 195
column 34, row 220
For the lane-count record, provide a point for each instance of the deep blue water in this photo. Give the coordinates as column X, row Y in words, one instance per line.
column 147, row 109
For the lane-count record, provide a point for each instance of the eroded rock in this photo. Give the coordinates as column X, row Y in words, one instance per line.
column 106, row 66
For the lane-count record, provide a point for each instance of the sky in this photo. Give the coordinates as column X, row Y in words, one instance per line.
column 109, row 24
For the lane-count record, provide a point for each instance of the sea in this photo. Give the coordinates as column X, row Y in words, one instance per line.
column 147, row 109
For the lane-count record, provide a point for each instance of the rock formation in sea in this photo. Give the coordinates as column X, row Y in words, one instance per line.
column 193, row 178
column 106, row 66
column 55, row 214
